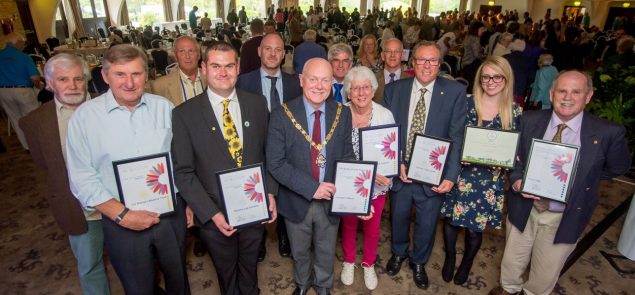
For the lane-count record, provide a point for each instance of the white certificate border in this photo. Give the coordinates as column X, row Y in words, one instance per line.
column 377, row 129
column 364, row 165
column 443, row 140
column 260, row 168
column 517, row 133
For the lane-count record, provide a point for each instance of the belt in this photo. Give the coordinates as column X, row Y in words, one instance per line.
column 16, row 86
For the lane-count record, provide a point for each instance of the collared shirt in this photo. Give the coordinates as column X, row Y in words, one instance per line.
column 16, row 68
column 266, row 86
column 344, row 97
column 102, row 131
column 414, row 99
column 234, row 110
column 570, row 135
column 387, row 76
column 191, row 88
column 310, row 119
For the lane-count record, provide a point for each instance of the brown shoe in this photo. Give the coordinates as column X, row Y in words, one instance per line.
column 500, row 291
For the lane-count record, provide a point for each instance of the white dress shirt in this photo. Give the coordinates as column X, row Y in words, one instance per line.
column 234, row 110
column 414, row 98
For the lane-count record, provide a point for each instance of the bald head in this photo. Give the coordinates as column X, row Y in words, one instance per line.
column 271, row 52
column 16, row 40
column 316, row 80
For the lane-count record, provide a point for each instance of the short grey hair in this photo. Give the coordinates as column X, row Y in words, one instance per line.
column 426, row 44
column 123, row 53
column 340, row 48
column 65, row 61
column 310, row 35
column 506, row 37
column 589, row 80
column 393, row 39
column 360, row 73
column 185, row 37
column 545, row 59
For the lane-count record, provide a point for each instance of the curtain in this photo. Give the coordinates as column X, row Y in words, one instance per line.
column 167, row 11
column 123, row 18
column 462, row 6
column 415, row 6
column 73, row 8
column 180, row 14
column 363, row 6
column 220, row 9
column 425, row 7
column 232, row 5
column 375, row 4
column 70, row 20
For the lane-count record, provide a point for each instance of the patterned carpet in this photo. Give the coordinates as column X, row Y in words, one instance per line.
column 35, row 257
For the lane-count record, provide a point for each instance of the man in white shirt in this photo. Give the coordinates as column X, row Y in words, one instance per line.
column 391, row 55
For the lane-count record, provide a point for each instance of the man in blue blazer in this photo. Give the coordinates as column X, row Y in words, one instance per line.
column 277, row 87
column 546, row 232
column 433, row 106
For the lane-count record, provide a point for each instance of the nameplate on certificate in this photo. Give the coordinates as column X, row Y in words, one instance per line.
column 381, row 144
column 427, row 159
column 146, row 183
column 354, row 182
column 489, row 147
column 550, row 170
column 244, row 195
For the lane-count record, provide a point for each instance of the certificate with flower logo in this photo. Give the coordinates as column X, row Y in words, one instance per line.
column 489, row 147
column 381, row 144
column 427, row 159
column 146, row 183
column 244, row 195
column 550, row 170
column 354, row 182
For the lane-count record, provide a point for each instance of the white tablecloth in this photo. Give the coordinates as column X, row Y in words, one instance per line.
column 626, row 245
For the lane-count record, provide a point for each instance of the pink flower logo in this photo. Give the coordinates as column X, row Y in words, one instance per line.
column 253, row 188
column 387, row 146
column 156, row 179
column 437, row 157
column 561, row 166
column 362, row 183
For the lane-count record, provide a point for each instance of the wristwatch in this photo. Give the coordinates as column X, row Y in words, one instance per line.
column 121, row 215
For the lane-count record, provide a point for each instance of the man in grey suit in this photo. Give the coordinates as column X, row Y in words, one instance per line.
column 432, row 106
column 222, row 128
column 277, row 87
column 306, row 136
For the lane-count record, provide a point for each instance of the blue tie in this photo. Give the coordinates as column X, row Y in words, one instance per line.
column 338, row 92
column 392, row 77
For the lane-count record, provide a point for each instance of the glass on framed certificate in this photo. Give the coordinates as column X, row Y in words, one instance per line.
column 381, row 144
column 427, row 159
column 550, row 170
column 354, row 182
column 489, row 147
column 244, row 195
column 146, row 183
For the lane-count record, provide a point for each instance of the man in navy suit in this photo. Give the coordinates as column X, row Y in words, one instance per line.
column 277, row 87
column 546, row 232
column 433, row 106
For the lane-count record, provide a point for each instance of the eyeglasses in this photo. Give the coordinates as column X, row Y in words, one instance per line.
column 366, row 88
column 423, row 61
column 495, row 78
column 391, row 52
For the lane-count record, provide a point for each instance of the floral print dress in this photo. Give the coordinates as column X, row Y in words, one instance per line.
column 477, row 200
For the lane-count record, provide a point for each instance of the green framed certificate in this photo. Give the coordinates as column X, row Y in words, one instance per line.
column 490, row 147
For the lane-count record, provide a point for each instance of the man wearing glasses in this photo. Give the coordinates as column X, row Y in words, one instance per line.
column 341, row 58
column 391, row 56
column 434, row 106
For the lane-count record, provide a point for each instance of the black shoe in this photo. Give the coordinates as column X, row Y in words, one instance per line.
column 419, row 275
column 462, row 273
column 299, row 291
column 284, row 248
column 394, row 264
column 199, row 249
column 448, row 267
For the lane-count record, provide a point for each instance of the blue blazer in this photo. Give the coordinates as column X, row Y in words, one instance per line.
column 446, row 119
column 603, row 154
column 251, row 82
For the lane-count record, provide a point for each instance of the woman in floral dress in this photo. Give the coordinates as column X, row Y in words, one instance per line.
column 477, row 200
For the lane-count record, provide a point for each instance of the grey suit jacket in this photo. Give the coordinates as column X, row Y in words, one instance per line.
column 379, row 93
column 289, row 161
column 446, row 118
column 170, row 87
column 199, row 150
column 603, row 154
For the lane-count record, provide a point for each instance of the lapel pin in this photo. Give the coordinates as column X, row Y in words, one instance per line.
column 246, row 123
column 595, row 142
column 441, row 92
column 213, row 129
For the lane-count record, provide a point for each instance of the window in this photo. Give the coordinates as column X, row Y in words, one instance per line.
column 99, row 9
column 438, row 6
column 208, row 6
column 305, row 5
column 349, row 4
column 145, row 12
column 389, row 4
column 254, row 8
column 86, row 8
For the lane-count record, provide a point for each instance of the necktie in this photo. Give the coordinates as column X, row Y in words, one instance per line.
column 274, row 97
column 231, row 136
column 392, row 77
column 418, row 119
column 543, row 204
column 338, row 93
column 317, row 138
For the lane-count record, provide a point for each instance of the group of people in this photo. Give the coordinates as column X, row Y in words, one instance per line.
column 213, row 116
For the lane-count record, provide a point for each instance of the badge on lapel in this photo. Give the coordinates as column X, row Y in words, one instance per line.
column 246, row 123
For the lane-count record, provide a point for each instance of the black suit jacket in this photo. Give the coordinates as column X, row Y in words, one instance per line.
column 289, row 161
column 603, row 154
column 249, row 59
column 199, row 150
column 251, row 82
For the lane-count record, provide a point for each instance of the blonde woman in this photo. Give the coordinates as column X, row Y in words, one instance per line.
column 368, row 55
column 477, row 200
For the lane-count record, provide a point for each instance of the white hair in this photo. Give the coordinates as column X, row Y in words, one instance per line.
column 359, row 73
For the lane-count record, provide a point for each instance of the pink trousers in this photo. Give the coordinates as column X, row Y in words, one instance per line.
column 371, row 234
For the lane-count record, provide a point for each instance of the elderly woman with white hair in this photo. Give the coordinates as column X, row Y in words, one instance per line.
column 542, row 83
column 360, row 85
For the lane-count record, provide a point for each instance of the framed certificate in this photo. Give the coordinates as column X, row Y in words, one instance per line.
column 490, row 147
column 244, row 195
column 381, row 144
column 427, row 159
column 146, row 183
column 550, row 170
column 354, row 182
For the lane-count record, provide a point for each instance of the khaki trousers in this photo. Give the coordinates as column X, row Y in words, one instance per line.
column 17, row 102
column 534, row 245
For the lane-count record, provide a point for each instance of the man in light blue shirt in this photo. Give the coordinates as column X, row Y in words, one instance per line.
column 121, row 124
